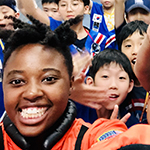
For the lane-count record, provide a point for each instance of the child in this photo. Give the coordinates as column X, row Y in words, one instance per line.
column 7, row 7
column 130, row 10
column 69, row 9
column 131, row 39
column 102, row 20
column 111, row 69
column 51, row 9
column 36, row 90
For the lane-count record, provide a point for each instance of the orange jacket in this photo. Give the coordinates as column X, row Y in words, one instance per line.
column 100, row 130
column 137, row 134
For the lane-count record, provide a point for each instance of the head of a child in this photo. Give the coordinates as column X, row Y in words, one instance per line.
column 7, row 8
column 51, row 9
column 72, row 8
column 131, row 38
column 107, row 4
column 137, row 10
column 36, row 85
column 111, row 70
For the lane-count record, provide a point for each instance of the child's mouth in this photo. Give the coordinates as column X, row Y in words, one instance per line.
column 133, row 61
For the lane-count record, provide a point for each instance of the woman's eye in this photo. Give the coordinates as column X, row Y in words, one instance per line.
column 17, row 82
column 63, row 5
column 49, row 79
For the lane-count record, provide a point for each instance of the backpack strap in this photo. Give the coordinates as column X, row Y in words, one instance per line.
column 1, row 139
column 80, row 137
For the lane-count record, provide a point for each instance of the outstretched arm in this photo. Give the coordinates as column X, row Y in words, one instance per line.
column 142, row 65
column 30, row 7
column 119, row 12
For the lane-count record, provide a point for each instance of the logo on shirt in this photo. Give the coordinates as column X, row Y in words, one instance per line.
column 108, row 135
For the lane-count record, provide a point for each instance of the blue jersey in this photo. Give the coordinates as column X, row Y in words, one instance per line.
column 54, row 23
column 98, row 24
column 134, row 104
column 1, row 90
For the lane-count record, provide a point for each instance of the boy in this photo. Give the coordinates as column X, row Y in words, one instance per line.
column 130, row 10
column 51, row 9
column 102, row 20
column 131, row 39
column 37, row 116
column 7, row 7
column 112, row 70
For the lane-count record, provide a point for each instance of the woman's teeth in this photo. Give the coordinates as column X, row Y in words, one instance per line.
column 32, row 112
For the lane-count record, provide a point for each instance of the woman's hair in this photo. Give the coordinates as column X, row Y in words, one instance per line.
column 129, row 29
column 37, row 32
column 107, row 57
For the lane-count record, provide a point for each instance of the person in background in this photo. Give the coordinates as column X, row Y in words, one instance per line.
column 7, row 7
column 130, row 10
column 131, row 39
column 102, row 20
column 111, row 69
column 51, row 9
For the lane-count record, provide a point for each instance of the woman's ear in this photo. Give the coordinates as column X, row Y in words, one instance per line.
column 89, row 80
column 86, row 9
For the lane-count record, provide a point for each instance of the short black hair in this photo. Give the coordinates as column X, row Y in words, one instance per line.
column 108, row 56
column 48, row 1
column 129, row 29
column 59, row 39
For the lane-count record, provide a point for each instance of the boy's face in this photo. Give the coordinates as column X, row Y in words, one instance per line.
column 139, row 14
column 72, row 8
column 113, row 78
column 107, row 3
column 51, row 10
column 36, row 88
column 131, row 45
column 7, row 23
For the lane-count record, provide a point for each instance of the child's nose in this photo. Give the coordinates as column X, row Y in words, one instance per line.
column 113, row 84
column 69, row 7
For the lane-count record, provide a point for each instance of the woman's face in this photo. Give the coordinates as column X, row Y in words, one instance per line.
column 36, row 87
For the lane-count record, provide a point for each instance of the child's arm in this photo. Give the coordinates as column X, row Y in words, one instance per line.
column 119, row 12
column 142, row 65
column 30, row 7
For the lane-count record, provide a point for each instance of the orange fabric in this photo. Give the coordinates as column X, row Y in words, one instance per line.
column 137, row 134
column 69, row 139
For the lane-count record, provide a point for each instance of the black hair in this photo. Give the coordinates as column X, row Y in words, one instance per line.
column 48, row 1
column 86, row 2
column 108, row 56
column 129, row 29
column 9, row 3
column 59, row 39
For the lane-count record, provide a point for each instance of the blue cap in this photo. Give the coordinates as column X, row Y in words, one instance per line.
column 9, row 3
column 132, row 4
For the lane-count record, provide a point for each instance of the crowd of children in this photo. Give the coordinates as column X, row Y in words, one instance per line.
column 74, row 87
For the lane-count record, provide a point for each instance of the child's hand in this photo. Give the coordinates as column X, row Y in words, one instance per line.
column 115, row 115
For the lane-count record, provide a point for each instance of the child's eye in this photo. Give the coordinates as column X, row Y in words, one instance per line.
column 50, row 79
column 128, row 45
column 17, row 82
column 122, row 78
column 63, row 5
column 75, row 4
column 104, row 76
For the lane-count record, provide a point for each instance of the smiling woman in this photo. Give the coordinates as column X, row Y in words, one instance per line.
column 37, row 81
